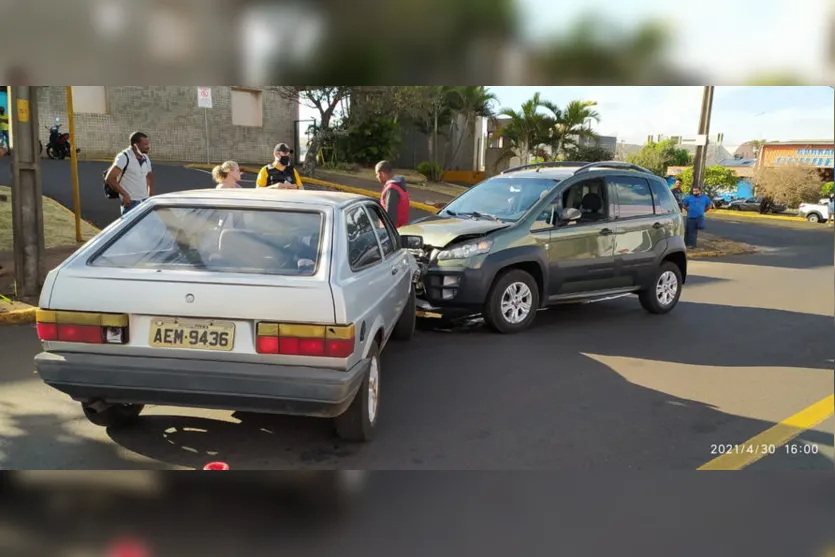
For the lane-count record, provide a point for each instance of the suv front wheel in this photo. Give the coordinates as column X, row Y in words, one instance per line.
column 512, row 302
column 663, row 295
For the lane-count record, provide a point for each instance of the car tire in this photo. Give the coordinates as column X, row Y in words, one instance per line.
column 116, row 416
column 658, row 299
column 514, row 282
column 813, row 217
column 358, row 422
column 404, row 329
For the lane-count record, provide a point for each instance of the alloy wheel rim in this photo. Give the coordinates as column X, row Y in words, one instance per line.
column 517, row 302
column 666, row 288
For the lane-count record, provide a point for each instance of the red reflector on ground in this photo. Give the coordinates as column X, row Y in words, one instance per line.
column 47, row 331
column 340, row 348
column 87, row 334
column 267, row 345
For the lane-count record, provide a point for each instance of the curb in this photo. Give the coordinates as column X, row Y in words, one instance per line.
column 18, row 316
column 709, row 254
column 742, row 214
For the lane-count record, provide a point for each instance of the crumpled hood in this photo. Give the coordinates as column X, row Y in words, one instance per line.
column 438, row 231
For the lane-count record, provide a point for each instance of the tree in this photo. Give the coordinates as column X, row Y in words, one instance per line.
column 789, row 184
column 526, row 130
column 469, row 102
column 657, row 156
column 431, row 111
column 756, row 145
column 324, row 99
column 827, row 189
column 718, row 180
column 570, row 125
column 588, row 153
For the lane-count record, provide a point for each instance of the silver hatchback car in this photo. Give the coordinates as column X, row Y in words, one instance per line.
column 254, row 300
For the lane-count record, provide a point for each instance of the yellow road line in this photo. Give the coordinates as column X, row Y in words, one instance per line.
column 777, row 436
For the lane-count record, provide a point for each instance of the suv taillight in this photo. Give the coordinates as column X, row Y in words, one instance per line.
column 326, row 341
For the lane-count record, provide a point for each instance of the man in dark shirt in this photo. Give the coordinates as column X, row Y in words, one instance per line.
column 281, row 174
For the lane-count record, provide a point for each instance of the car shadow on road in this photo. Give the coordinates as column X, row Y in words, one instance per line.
column 42, row 442
column 471, row 399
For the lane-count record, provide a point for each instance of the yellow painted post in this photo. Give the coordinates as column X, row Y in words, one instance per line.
column 76, row 191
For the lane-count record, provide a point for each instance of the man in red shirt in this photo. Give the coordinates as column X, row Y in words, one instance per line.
column 394, row 198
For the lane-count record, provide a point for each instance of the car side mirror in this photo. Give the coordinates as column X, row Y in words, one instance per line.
column 411, row 242
column 570, row 214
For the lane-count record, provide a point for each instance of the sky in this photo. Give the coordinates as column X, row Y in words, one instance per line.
column 741, row 113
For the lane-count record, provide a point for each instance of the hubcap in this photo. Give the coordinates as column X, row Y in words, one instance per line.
column 373, row 389
column 666, row 288
column 517, row 302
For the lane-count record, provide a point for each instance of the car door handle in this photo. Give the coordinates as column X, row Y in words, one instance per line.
column 606, row 232
column 394, row 270
column 657, row 225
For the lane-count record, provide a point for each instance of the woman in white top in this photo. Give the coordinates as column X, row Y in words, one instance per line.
column 227, row 175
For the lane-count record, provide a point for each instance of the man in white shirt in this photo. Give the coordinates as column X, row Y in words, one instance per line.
column 131, row 174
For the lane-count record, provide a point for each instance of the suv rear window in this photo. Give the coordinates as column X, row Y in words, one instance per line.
column 273, row 242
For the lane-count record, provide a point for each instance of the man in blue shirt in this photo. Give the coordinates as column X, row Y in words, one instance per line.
column 696, row 205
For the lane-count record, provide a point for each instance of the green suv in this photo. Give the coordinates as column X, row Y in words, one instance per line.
column 551, row 233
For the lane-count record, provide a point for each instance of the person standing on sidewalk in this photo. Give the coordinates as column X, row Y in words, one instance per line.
column 4, row 128
column 677, row 193
column 394, row 198
column 696, row 205
column 131, row 174
column 281, row 174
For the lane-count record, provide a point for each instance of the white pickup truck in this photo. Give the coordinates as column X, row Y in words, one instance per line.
column 815, row 212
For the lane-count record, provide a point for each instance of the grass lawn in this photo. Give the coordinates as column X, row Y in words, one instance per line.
column 59, row 223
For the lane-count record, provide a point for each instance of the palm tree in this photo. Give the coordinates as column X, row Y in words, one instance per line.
column 469, row 102
column 527, row 129
column 571, row 125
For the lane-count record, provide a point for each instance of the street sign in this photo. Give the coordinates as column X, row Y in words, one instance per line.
column 697, row 140
column 204, row 97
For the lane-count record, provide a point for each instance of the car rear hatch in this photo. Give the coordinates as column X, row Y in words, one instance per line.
column 236, row 291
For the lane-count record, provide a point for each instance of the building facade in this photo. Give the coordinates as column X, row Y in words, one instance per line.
column 820, row 154
column 243, row 124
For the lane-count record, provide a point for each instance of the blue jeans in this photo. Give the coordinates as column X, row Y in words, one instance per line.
column 691, row 230
column 134, row 203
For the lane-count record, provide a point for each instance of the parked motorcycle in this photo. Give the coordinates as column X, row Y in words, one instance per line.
column 58, row 146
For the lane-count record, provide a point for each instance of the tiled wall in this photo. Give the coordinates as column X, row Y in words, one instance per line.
column 173, row 122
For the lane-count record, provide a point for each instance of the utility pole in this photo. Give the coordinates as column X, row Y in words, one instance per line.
column 76, row 190
column 704, row 129
column 27, row 207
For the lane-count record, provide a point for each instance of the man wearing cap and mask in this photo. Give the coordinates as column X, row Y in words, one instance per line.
column 281, row 174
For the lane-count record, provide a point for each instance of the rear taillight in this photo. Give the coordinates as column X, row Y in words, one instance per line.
column 326, row 341
column 85, row 328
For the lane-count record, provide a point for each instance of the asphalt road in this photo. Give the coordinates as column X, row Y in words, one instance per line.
column 596, row 387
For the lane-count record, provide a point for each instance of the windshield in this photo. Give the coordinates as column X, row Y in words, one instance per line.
column 276, row 242
column 506, row 199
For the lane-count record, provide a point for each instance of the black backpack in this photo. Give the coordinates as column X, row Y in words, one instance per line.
column 109, row 192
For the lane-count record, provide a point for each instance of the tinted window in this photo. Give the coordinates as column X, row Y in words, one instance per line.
column 388, row 239
column 634, row 196
column 665, row 201
column 363, row 249
column 505, row 198
column 216, row 239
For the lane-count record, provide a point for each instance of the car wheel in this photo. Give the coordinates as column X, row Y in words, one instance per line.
column 405, row 327
column 663, row 296
column 357, row 423
column 512, row 302
column 813, row 217
column 115, row 416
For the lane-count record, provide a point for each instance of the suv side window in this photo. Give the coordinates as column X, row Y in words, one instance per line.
column 634, row 196
column 388, row 238
column 590, row 198
column 665, row 201
column 363, row 249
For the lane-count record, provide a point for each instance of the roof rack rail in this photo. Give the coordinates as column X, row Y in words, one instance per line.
column 543, row 165
column 613, row 164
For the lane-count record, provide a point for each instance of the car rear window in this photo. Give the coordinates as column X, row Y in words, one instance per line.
column 274, row 242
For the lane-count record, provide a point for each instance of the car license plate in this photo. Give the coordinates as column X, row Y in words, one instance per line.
column 192, row 334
